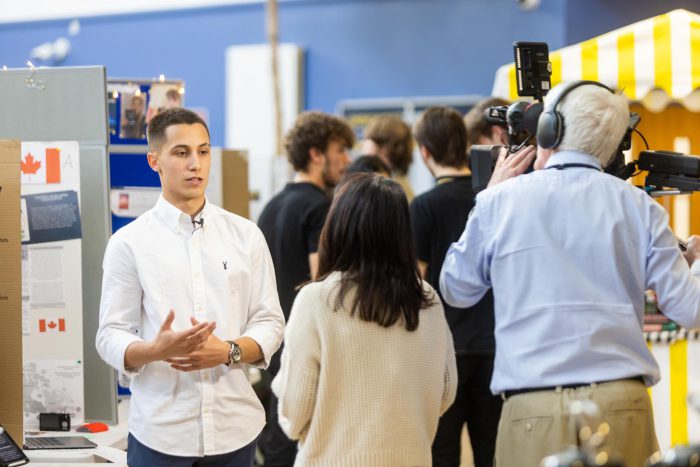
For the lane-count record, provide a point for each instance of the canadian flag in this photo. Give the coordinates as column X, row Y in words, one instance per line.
column 52, row 325
column 41, row 166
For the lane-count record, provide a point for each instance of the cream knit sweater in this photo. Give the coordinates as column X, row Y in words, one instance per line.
column 356, row 394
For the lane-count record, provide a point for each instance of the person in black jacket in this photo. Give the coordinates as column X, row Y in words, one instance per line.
column 438, row 218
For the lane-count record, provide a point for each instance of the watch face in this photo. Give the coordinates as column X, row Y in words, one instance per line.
column 235, row 353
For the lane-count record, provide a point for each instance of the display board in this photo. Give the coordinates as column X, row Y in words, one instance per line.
column 52, row 308
column 69, row 104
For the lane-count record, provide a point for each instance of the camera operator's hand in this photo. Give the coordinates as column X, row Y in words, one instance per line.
column 513, row 165
column 692, row 252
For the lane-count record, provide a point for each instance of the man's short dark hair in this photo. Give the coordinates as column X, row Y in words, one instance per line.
column 169, row 117
column 475, row 121
column 442, row 131
column 315, row 130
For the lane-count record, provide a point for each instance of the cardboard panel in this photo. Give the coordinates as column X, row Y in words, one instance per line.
column 10, row 291
column 234, row 165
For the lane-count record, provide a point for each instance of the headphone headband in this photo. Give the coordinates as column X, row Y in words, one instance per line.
column 550, row 127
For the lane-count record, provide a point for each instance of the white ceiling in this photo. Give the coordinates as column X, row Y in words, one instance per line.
column 12, row 11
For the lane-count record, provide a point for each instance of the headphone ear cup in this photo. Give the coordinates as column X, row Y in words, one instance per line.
column 549, row 129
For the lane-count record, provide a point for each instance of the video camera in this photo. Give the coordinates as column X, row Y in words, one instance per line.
column 668, row 172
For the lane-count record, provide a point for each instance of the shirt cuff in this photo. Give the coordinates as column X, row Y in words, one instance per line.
column 268, row 341
column 124, row 340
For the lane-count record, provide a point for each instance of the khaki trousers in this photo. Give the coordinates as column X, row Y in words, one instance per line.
column 536, row 424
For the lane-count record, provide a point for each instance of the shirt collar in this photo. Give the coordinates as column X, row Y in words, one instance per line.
column 175, row 219
column 572, row 157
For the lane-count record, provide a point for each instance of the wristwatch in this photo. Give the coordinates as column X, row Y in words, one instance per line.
column 234, row 353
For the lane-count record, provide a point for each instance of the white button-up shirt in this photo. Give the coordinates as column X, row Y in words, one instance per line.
column 569, row 254
column 219, row 272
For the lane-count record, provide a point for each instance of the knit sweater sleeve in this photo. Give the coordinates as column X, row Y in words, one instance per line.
column 296, row 384
column 450, row 389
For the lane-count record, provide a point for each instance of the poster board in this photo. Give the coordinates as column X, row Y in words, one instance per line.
column 70, row 104
column 10, row 291
column 52, row 308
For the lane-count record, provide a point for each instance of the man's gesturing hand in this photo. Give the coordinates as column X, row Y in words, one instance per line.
column 211, row 353
column 169, row 343
column 513, row 165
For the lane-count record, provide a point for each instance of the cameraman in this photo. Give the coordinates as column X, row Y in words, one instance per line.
column 569, row 252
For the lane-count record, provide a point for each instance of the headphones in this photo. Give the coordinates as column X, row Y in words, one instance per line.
column 550, row 127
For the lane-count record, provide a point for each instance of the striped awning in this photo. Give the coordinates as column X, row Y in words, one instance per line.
column 654, row 61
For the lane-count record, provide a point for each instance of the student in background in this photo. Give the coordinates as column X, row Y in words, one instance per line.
column 371, row 164
column 368, row 365
column 185, row 306
column 438, row 218
column 317, row 147
column 388, row 137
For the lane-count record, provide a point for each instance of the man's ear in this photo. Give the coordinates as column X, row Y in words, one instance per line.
column 152, row 158
column 315, row 156
column 497, row 134
column 425, row 154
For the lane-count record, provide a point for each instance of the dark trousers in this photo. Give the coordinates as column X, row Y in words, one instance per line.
column 279, row 451
column 139, row 455
column 475, row 406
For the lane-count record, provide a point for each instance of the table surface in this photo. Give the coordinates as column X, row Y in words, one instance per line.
column 111, row 445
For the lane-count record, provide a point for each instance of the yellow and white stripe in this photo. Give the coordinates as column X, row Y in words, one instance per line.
column 676, row 423
column 657, row 54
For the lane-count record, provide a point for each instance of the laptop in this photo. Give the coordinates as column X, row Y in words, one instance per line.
column 10, row 454
column 58, row 442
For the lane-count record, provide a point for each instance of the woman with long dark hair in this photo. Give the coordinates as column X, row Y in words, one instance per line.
column 368, row 365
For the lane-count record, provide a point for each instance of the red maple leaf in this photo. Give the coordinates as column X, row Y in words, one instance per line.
column 29, row 165
column 51, row 324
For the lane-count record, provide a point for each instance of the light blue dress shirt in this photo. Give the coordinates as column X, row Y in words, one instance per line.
column 569, row 254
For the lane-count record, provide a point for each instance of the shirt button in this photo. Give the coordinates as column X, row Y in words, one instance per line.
column 528, row 426
column 206, row 410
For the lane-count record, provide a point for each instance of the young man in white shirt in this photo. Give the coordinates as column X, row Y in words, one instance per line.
column 188, row 298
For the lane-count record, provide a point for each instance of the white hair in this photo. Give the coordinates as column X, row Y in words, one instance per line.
column 595, row 121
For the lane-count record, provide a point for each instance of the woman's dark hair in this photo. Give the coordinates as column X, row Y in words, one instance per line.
column 367, row 237
column 371, row 164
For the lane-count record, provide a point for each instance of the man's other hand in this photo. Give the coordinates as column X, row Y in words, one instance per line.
column 212, row 353
column 513, row 165
column 692, row 252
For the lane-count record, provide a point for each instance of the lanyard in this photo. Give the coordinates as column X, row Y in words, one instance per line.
column 573, row 165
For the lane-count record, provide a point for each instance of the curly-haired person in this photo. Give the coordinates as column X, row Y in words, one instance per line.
column 317, row 147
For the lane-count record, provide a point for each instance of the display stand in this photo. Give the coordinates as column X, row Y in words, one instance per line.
column 69, row 104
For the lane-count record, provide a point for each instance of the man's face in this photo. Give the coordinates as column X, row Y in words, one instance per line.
column 336, row 161
column 183, row 163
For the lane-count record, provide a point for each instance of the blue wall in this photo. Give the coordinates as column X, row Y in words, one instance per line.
column 589, row 18
column 354, row 48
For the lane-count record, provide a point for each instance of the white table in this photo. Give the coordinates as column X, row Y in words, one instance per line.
column 111, row 446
